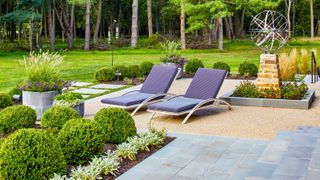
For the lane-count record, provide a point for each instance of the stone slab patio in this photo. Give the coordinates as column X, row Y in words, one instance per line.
column 89, row 91
column 81, row 84
column 245, row 122
column 106, row 86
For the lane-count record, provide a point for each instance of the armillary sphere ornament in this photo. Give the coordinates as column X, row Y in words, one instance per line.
column 269, row 30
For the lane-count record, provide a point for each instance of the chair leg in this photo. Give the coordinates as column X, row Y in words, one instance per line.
column 152, row 115
column 187, row 117
column 136, row 110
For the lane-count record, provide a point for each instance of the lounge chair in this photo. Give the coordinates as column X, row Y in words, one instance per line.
column 201, row 93
column 153, row 90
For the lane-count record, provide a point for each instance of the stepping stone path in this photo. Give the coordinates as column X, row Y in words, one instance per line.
column 289, row 156
column 106, row 86
column 85, row 89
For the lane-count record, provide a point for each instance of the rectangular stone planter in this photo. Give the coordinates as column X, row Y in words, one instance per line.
column 276, row 103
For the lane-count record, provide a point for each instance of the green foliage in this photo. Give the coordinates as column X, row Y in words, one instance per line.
column 127, row 151
column 15, row 91
column 294, row 91
column 122, row 69
column 69, row 99
column 221, row 65
column 145, row 67
column 17, row 117
column 150, row 42
column 43, row 67
column 30, row 154
column 270, row 93
column 171, row 47
column 133, row 71
column 248, row 69
column 193, row 65
column 81, row 139
column 117, row 124
column 56, row 116
column 5, row 101
column 105, row 75
column 246, row 89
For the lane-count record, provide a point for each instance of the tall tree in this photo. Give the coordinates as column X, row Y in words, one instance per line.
column 288, row 9
column 98, row 22
column 134, row 25
column 220, row 22
column 311, row 19
column 183, row 25
column 51, row 24
column 150, row 25
column 87, row 33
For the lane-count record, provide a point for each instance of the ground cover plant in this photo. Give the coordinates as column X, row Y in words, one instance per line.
column 69, row 99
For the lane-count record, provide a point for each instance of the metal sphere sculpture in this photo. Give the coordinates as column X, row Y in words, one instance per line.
column 269, row 30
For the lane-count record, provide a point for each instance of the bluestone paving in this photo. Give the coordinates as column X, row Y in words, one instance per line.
column 106, row 86
column 81, row 84
column 89, row 91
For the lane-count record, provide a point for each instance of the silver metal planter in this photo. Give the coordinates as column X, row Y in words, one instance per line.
column 80, row 109
column 39, row 101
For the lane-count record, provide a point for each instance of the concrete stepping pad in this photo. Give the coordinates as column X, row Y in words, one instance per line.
column 89, row 91
column 81, row 84
column 106, row 86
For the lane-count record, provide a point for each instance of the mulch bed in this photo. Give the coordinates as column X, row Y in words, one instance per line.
column 126, row 164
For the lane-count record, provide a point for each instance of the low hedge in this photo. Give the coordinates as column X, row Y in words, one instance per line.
column 105, row 75
column 133, row 71
column 81, row 139
column 248, row 69
column 57, row 116
column 193, row 65
column 117, row 124
column 30, row 154
column 146, row 67
column 5, row 101
column 222, row 66
column 17, row 117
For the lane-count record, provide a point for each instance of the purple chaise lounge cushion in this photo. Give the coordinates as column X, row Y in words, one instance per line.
column 176, row 105
column 127, row 100
column 158, row 82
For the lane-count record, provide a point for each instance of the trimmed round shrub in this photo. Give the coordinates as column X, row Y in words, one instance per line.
column 31, row 154
column 15, row 91
column 57, row 116
column 117, row 123
column 248, row 69
column 222, row 66
column 5, row 101
column 105, row 75
column 193, row 65
column 81, row 139
column 146, row 67
column 122, row 69
column 17, row 117
column 133, row 71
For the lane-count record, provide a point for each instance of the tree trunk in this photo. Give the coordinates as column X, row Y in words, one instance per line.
column 50, row 26
column 87, row 26
column 231, row 27
column 220, row 22
column 311, row 19
column 66, row 23
column 150, row 26
column 228, row 29
column 134, row 26
column 98, row 22
column 289, row 5
column 183, row 25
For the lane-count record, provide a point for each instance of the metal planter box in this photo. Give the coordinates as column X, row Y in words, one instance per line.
column 39, row 101
column 80, row 109
column 276, row 103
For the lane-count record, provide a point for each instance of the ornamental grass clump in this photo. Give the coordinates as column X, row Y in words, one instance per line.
column 288, row 65
column 31, row 154
column 43, row 72
column 304, row 69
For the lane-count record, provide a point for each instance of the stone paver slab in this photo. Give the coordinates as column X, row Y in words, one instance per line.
column 89, row 91
column 106, row 86
column 81, row 84
column 292, row 167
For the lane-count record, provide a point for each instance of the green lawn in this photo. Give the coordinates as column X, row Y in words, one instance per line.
column 80, row 65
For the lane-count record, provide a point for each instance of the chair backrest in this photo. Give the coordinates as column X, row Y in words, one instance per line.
column 159, row 80
column 206, row 83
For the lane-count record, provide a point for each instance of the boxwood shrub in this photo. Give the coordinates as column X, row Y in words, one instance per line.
column 30, row 154
column 5, row 101
column 122, row 69
column 193, row 65
column 105, row 75
column 81, row 139
column 248, row 69
column 117, row 123
column 133, row 71
column 221, row 65
column 146, row 67
column 56, row 116
column 17, row 117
